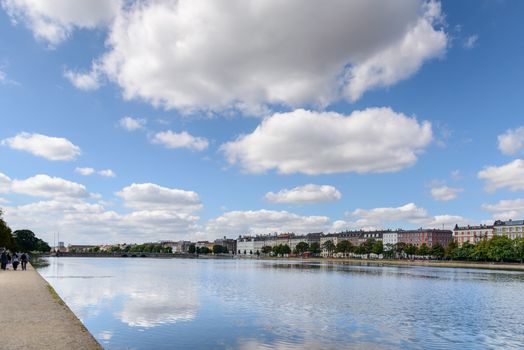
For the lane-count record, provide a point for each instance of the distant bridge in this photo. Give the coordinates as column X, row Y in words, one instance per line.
column 125, row 255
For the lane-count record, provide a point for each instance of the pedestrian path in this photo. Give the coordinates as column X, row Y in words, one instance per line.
column 34, row 317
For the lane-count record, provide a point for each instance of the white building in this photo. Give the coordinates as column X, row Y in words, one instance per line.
column 250, row 245
column 511, row 228
column 389, row 239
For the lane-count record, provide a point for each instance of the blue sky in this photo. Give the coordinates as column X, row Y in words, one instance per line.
column 227, row 118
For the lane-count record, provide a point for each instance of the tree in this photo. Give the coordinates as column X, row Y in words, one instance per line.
column 344, row 246
column 6, row 237
column 464, row 252
column 481, row 250
column 501, row 248
column 437, row 250
column 25, row 240
column 266, row 249
column 400, row 247
column 423, row 249
column 448, row 251
column 314, row 248
column 218, row 249
column 411, row 249
column 302, row 247
column 377, row 248
column 519, row 249
column 367, row 246
column 329, row 246
column 192, row 249
column 285, row 249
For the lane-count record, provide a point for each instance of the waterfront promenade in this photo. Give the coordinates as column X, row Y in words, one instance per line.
column 34, row 316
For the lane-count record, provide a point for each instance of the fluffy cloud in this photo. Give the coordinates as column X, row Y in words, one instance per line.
column 506, row 209
column 510, row 176
column 512, row 141
column 265, row 221
column 107, row 173
column 52, row 148
column 5, row 183
column 54, row 20
column 84, row 80
column 45, row 186
column 85, row 171
column 445, row 193
column 265, row 53
column 131, row 124
column 410, row 213
column 400, row 59
column 372, row 140
column 306, row 194
column 150, row 196
column 471, row 41
column 170, row 139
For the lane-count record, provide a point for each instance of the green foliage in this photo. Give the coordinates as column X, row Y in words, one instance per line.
column 314, row 248
column 266, row 249
column 329, row 246
column 377, row 248
column 192, row 249
column 437, row 250
column 344, row 246
column 448, row 251
column 500, row 248
column 410, row 249
column 281, row 249
column 6, row 237
column 301, row 247
column 219, row 249
column 519, row 249
column 423, row 250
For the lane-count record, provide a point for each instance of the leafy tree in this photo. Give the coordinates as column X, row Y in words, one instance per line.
column 410, row 249
column 448, row 251
column 281, row 249
column 266, row 249
column 400, row 247
column 501, row 248
column 314, row 248
column 519, row 249
column 329, row 246
column 218, row 249
column 437, row 250
column 378, row 248
column 286, row 249
column 481, row 250
column 423, row 249
column 367, row 246
column 344, row 246
column 192, row 249
column 302, row 247
column 6, row 237
column 25, row 240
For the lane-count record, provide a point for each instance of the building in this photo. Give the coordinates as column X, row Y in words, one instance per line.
column 78, row 248
column 389, row 239
column 471, row 234
column 230, row 244
column 511, row 228
column 249, row 245
column 427, row 236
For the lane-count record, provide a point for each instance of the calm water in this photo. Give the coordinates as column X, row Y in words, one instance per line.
column 230, row 304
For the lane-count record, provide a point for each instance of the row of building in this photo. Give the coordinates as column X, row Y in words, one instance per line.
column 474, row 234
column 252, row 245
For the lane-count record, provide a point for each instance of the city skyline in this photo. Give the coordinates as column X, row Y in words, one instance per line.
column 231, row 118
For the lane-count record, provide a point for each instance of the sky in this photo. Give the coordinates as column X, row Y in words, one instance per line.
column 137, row 121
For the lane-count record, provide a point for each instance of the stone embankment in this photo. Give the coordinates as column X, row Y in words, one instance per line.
column 34, row 317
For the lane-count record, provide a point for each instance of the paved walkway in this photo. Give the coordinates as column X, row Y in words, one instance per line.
column 32, row 316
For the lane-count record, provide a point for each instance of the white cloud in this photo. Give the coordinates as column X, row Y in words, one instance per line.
column 510, row 175
column 400, row 59
column 265, row 221
column 471, row 41
column 306, row 194
column 84, row 171
column 131, row 124
column 106, row 173
column 506, row 209
column 303, row 52
column 445, row 193
column 409, row 213
column 52, row 148
column 170, row 139
column 5, row 183
column 54, row 20
column 372, row 140
column 512, row 141
column 84, row 80
column 150, row 196
column 45, row 186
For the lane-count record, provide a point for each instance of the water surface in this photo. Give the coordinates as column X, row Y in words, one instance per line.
column 252, row 304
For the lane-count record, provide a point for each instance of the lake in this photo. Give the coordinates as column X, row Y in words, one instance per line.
column 139, row 303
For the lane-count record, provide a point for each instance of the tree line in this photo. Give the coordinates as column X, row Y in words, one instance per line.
column 20, row 240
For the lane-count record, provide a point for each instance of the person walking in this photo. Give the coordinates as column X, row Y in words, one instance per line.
column 23, row 261
column 3, row 260
column 8, row 260
column 15, row 261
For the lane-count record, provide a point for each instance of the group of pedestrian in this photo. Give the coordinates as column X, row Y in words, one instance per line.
column 14, row 260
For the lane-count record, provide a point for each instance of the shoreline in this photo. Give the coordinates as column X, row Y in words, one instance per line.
column 38, row 317
column 348, row 261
